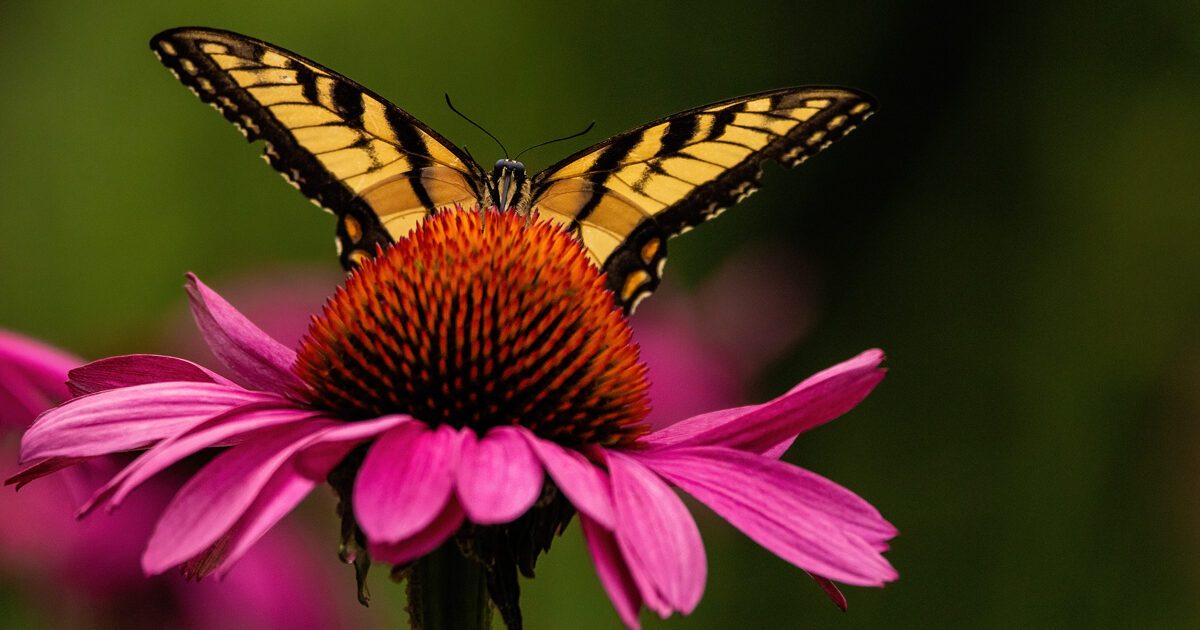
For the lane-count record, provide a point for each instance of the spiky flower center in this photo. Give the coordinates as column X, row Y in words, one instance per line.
column 478, row 320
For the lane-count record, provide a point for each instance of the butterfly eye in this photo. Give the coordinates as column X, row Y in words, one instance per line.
column 511, row 165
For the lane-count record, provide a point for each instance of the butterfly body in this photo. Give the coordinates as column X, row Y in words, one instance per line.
column 381, row 171
column 508, row 187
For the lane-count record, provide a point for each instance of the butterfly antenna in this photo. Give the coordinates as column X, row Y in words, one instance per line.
column 477, row 125
column 574, row 135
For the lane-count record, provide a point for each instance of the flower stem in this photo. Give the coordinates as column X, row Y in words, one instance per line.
column 447, row 591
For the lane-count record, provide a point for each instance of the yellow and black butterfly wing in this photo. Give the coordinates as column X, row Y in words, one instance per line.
column 627, row 195
column 376, row 167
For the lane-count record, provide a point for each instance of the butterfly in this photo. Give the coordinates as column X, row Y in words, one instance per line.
column 380, row 170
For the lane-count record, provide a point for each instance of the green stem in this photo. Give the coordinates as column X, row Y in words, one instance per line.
column 447, row 591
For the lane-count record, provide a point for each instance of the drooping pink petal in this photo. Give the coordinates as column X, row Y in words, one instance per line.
column 831, row 590
column 405, row 480
column 499, row 477
column 584, row 483
column 771, row 426
column 801, row 517
column 81, row 480
column 216, row 497
column 23, row 477
column 278, row 299
column 328, row 450
column 657, row 536
column 137, row 369
column 220, row 430
column 286, row 489
column 129, row 418
column 252, row 355
column 614, row 575
column 443, row 525
column 777, row 451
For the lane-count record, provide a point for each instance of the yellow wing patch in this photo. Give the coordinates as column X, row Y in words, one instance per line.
column 397, row 200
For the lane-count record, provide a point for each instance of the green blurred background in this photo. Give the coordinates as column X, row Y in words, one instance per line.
column 1019, row 227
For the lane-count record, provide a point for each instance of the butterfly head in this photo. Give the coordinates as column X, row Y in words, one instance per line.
column 507, row 183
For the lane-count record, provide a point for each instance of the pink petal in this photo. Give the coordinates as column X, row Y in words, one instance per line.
column 613, row 573
column 771, row 426
column 129, row 418
column 801, row 517
column 317, row 460
column 657, row 536
column 291, row 484
column 281, row 495
column 444, row 524
column 252, row 355
column 220, row 430
column 137, row 369
column 777, row 451
column 216, row 497
column 584, row 484
column 831, row 590
column 405, row 481
column 44, row 467
column 499, row 477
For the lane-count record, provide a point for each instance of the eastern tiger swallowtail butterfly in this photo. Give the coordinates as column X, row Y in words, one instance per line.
column 380, row 170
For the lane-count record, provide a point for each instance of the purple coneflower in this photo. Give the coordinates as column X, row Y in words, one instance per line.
column 474, row 383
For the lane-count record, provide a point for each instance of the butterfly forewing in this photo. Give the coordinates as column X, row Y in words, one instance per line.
column 376, row 167
column 625, row 196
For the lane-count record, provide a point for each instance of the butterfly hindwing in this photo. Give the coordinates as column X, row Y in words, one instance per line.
column 376, row 167
column 627, row 195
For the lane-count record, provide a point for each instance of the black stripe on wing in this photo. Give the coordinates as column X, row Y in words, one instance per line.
column 802, row 142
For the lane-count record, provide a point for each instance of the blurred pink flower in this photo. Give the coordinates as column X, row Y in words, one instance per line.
column 32, row 379
column 289, row 419
column 88, row 572
column 704, row 348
